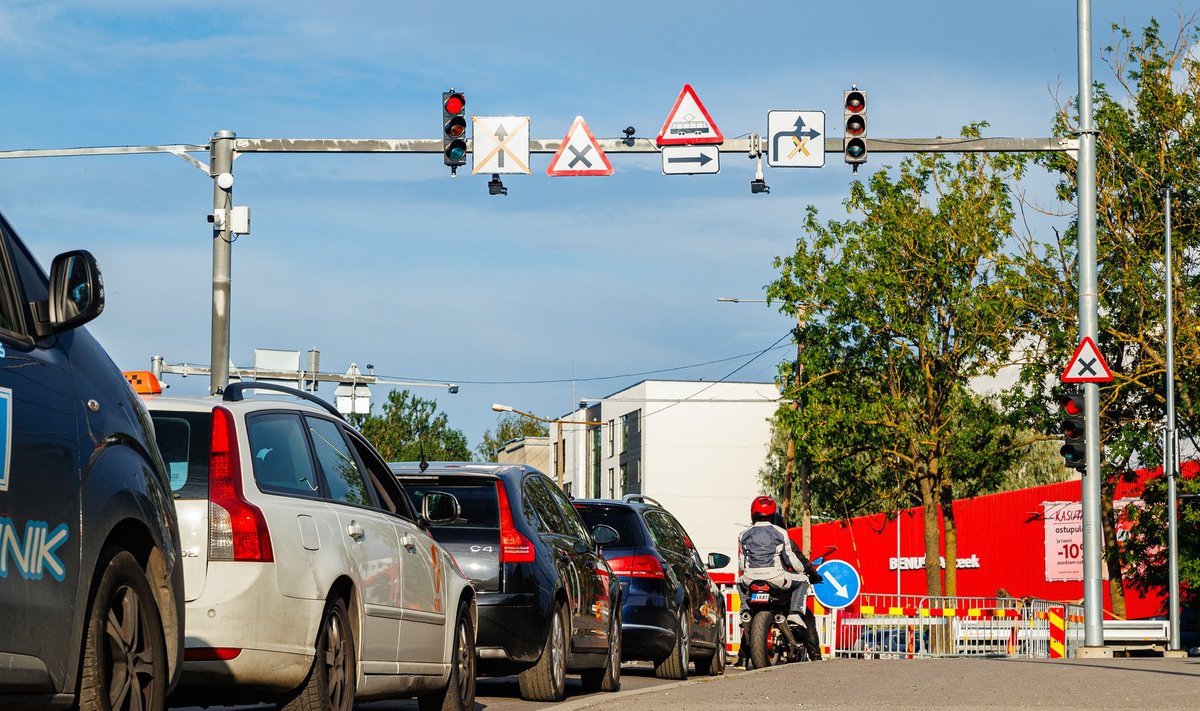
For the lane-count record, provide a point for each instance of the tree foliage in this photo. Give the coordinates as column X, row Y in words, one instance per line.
column 509, row 426
column 411, row 429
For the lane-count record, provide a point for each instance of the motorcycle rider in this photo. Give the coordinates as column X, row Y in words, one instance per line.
column 765, row 552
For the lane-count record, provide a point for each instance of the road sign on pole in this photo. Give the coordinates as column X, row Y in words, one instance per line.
column 501, row 144
column 689, row 160
column 1087, row 365
column 579, row 153
column 839, row 586
column 796, row 139
column 688, row 123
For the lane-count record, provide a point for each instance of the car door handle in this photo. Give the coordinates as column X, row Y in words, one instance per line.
column 409, row 542
column 355, row 531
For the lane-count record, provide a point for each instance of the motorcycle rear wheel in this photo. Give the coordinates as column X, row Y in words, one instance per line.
column 764, row 651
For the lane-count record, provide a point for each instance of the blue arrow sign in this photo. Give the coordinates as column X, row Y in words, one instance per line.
column 840, row 585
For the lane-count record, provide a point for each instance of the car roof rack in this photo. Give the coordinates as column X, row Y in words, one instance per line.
column 235, row 392
column 633, row 498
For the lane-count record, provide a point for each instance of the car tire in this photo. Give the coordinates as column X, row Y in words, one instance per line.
column 331, row 680
column 675, row 665
column 459, row 694
column 608, row 678
column 124, row 653
column 714, row 665
column 547, row 680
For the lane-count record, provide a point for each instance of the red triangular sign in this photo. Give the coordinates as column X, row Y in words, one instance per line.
column 1087, row 365
column 579, row 153
column 688, row 123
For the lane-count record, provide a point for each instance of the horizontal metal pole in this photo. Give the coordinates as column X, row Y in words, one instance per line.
column 103, row 151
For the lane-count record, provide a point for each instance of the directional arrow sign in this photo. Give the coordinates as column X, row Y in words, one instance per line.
column 840, row 584
column 688, row 160
column 796, row 139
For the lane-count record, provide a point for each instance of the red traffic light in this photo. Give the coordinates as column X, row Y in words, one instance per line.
column 454, row 103
column 855, row 101
column 455, row 127
column 1071, row 404
column 855, row 126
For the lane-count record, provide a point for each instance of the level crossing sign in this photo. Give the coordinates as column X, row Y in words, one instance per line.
column 839, row 586
column 579, row 153
column 501, row 144
column 688, row 123
column 1087, row 365
column 796, row 139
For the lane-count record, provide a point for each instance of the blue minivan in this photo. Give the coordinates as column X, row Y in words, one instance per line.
column 90, row 574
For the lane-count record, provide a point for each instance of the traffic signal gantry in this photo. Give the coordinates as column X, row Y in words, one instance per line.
column 1074, row 449
column 454, row 129
column 854, row 144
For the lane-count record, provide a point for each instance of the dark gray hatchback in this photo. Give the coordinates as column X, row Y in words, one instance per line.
column 90, row 575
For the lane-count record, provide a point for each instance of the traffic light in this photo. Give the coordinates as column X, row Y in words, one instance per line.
column 854, row 144
column 1074, row 449
column 454, row 129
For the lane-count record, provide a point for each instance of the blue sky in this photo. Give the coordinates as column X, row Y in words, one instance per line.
column 386, row 260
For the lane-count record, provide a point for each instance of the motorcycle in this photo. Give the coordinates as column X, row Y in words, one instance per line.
column 770, row 638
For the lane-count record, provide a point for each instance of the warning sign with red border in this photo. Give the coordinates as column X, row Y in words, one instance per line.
column 579, row 153
column 688, row 123
column 1087, row 365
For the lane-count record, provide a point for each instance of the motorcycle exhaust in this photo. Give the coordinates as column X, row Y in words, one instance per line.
column 786, row 629
column 746, row 616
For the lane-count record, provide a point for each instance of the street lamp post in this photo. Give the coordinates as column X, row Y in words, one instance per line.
column 559, row 459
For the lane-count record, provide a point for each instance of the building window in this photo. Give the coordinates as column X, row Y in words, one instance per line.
column 612, row 433
column 596, row 463
column 624, row 478
column 612, row 484
column 625, row 432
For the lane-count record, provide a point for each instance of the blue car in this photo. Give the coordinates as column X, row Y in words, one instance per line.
column 672, row 612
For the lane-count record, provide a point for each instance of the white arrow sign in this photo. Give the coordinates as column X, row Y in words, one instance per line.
column 688, row 160
column 838, row 587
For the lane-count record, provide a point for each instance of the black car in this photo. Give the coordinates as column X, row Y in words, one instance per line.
column 91, row 585
column 672, row 611
column 548, row 602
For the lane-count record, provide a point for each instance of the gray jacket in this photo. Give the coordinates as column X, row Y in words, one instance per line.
column 765, row 546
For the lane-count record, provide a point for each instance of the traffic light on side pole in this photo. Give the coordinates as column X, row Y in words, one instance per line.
column 854, row 143
column 454, row 129
column 1074, row 449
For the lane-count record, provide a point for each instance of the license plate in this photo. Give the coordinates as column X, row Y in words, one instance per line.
column 760, row 597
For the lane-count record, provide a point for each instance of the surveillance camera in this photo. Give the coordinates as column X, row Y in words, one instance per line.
column 453, row 389
column 495, row 187
column 758, row 185
column 629, row 131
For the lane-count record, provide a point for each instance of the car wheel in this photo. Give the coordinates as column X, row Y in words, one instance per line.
column 608, row 678
column 675, row 666
column 124, row 654
column 459, row 694
column 547, row 680
column 714, row 665
column 334, row 674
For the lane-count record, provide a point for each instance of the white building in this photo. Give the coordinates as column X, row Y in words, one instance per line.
column 696, row 447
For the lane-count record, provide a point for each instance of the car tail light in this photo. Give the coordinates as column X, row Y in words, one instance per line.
column 211, row 654
column 514, row 547
column 236, row 528
column 637, row 566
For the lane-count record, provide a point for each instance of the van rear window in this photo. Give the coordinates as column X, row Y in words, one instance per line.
column 183, row 439
column 480, row 507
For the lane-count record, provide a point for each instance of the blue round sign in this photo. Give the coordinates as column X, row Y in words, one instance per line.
column 839, row 586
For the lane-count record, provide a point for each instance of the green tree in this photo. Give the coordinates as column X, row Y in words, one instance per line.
column 411, row 429
column 509, row 426
column 905, row 303
column 1148, row 139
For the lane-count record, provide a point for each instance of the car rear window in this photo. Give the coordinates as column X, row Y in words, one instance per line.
column 624, row 519
column 183, row 439
column 480, row 507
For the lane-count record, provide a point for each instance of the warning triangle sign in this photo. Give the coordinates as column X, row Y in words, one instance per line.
column 688, row 123
column 1087, row 365
column 579, row 153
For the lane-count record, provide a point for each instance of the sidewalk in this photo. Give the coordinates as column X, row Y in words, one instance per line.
column 961, row 684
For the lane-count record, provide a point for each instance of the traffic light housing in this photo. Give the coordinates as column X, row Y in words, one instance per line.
column 1074, row 449
column 454, row 129
column 854, row 127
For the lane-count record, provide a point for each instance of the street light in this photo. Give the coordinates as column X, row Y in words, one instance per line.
column 559, row 461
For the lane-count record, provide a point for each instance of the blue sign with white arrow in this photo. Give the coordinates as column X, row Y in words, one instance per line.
column 839, row 586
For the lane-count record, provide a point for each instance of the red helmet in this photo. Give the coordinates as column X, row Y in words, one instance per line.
column 764, row 506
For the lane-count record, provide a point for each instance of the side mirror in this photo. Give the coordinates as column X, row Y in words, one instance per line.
column 76, row 290
column 605, row 535
column 438, row 507
column 717, row 560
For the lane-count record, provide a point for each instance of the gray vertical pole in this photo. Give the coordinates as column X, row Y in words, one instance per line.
column 1170, row 461
column 1093, row 596
column 221, row 161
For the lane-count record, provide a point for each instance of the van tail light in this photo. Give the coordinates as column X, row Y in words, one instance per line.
column 637, row 566
column 514, row 547
column 236, row 528
column 210, row 654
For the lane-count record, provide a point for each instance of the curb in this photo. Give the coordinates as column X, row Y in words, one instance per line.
column 602, row 698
